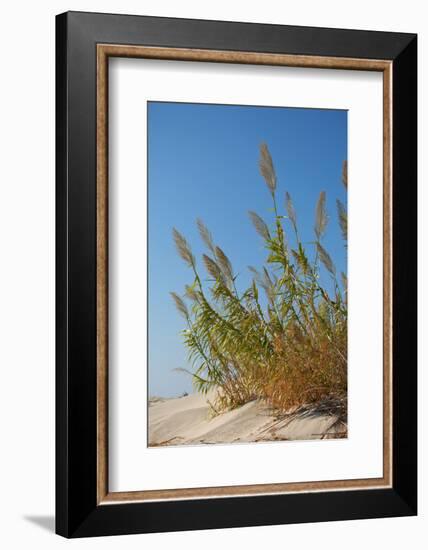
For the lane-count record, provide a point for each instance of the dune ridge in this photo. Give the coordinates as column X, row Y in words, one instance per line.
column 190, row 420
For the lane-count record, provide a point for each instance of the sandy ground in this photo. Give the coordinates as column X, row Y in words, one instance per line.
column 190, row 420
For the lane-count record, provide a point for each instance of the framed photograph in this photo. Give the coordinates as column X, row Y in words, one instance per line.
column 236, row 274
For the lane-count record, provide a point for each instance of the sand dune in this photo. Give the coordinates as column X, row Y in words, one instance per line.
column 190, row 420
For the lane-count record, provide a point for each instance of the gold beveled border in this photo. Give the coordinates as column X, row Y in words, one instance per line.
column 104, row 51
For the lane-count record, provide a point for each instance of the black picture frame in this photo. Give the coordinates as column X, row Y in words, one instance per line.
column 77, row 511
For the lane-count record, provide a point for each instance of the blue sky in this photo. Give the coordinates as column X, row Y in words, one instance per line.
column 203, row 162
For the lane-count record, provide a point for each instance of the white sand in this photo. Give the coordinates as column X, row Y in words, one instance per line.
column 190, row 420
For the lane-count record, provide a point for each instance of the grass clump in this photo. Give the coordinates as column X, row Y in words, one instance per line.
column 284, row 338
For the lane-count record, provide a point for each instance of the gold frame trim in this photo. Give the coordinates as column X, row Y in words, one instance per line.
column 104, row 51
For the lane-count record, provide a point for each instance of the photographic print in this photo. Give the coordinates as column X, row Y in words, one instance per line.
column 205, row 270
column 247, row 263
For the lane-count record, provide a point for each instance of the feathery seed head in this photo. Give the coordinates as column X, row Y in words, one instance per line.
column 267, row 169
column 326, row 260
column 344, row 281
column 260, row 226
column 291, row 213
column 183, row 248
column 343, row 219
column 320, row 216
column 224, row 263
column 345, row 173
column 205, row 234
column 212, row 267
column 180, row 305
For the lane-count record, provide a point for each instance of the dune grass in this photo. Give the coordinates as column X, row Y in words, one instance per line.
column 283, row 339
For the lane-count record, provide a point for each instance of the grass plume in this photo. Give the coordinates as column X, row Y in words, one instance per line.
column 183, row 248
column 180, row 305
column 266, row 168
column 345, row 173
column 260, row 226
column 320, row 216
column 205, row 235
